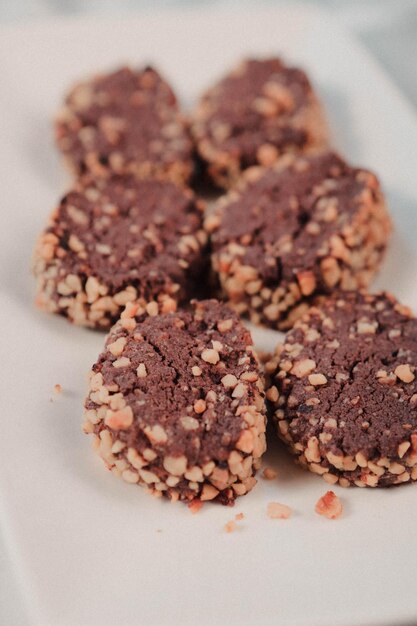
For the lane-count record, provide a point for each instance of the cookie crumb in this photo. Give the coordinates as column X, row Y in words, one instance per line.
column 57, row 388
column 329, row 505
column 230, row 527
column 269, row 473
column 239, row 517
column 276, row 510
column 195, row 506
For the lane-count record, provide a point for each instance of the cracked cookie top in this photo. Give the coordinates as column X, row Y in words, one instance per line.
column 184, row 376
column 285, row 220
column 308, row 225
column 347, row 377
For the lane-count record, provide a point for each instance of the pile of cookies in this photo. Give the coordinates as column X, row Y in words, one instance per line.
column 178, row 399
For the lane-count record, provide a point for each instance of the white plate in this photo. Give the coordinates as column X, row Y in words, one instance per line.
column 86, row 547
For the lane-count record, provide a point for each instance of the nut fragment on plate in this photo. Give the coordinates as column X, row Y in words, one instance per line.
column 276, row 510
column 307, row 226
column 119, row 240
column 151, row 429
column 269, row 473
column 230, row 527
column 258, row 112
column 126, row 122
column 347, row 390
column 329, row 506
column 195, row 506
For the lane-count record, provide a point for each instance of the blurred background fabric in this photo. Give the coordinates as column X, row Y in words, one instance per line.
column 386, row 28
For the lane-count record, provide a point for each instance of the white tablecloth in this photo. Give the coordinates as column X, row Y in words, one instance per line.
column 387, row 28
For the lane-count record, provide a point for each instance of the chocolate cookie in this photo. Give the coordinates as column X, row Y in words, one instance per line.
column 115, row 240
column 255, row 114
column 176, row 403
column 305, row 226
column 125, row 122
column 344, row 390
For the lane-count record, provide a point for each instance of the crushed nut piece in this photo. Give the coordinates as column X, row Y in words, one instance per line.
column 210, row 356
column 224, row 325
column 175, row 465
column 229, row 381
column 200, row 406
column 329, row 506
column 195, row 506
column 230, row 527
column 116, row 348
column 239, row 391
column 141, row 370
column 303, row 367
column 156, row 434
column 275, row 510
column 122, row 362
column 272, row 394
column 317, row 379
column 307, row 282
column 189, row 423
column 404, row 373
column 269, row 473
column 119, row 420
column 152, row 308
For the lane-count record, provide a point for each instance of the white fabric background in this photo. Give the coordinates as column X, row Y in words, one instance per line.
column 387, row 28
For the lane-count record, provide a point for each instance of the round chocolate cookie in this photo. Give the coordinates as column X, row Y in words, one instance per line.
column 305, row 226
column 344, row 390
column 176, row 403
column 255, row 114
column 115, row 240
column 125, row 122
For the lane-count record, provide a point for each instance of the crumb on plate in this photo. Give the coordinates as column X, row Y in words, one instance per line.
column 195, row 506
column 230, row 527
column 269, row 473
column 276, row 510
column 329, row 506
